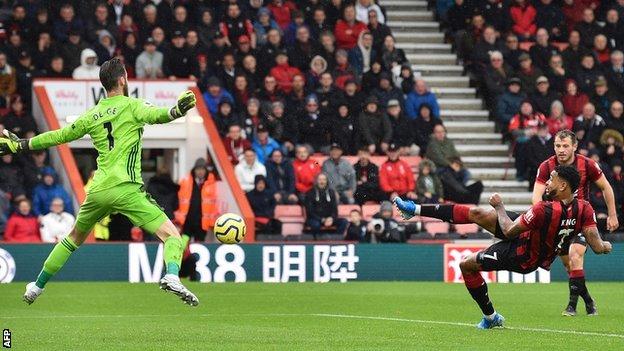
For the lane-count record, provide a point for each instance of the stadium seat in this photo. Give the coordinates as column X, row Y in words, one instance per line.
column 292, row 218
column 464, row 229
column 379, row 160
column 288, row 211
column 369, row 210
column 413, row 162
column 345, row 210
column 434, row 228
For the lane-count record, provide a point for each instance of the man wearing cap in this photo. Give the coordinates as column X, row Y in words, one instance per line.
column 26, row 72
column 386, row 90
column 312, row 125
column 402, row 133
column 396, row 177
column 543, row 97
column 509, row 102
column 602, row 97
column 179, row 62
column 149, row 63
column 375, row 127
column 234, row 25
column 244, row 48
column 263, row 144
column 528, row 73
column 340, row 174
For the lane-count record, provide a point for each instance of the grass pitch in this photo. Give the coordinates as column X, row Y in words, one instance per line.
column 352, row 316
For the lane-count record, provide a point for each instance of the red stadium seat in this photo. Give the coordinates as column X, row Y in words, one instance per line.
column 345, row 210
column 292, row 218
column 369, row 210
column 288, row 211
column 434, row 228
column 464, row 229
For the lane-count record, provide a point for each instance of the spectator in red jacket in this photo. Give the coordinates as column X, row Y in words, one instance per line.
column 523, row 17
column 22, row 226
column 281, row 11
column 235, row 144
column 283, row 72
column 306, row 170
column 573, row 100
column 348, row 29
column 396, row 177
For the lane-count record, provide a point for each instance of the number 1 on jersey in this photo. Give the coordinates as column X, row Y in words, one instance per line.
column 111, row 140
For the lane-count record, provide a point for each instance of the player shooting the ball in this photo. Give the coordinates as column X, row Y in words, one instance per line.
column 115, row 125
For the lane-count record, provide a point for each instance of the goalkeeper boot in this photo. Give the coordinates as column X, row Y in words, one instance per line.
column 171, row 283
column 32, row 292
column 487, row 323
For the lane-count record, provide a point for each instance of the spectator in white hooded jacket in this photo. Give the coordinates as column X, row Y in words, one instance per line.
column 88, row 68
column 247, row 170
column 57, row 223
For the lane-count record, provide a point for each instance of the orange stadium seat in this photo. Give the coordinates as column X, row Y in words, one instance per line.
column 345, row 210
column 369, row 210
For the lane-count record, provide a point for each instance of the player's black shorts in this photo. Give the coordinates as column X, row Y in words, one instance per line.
column 501, row 257
column 578, row 239
column 499, row 231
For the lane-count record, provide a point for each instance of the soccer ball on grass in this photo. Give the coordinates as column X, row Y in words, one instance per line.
column 230, row 228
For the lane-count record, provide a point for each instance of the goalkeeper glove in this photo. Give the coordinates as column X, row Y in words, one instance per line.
column 186, row 101
column 12, row 144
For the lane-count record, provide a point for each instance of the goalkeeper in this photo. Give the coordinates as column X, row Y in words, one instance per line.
column 115, row 125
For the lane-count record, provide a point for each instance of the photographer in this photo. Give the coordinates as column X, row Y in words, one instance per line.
column 383, row 228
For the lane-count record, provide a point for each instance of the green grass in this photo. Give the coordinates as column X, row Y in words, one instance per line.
column 256, row 316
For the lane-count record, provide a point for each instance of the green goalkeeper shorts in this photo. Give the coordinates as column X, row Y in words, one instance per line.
column 128, row 199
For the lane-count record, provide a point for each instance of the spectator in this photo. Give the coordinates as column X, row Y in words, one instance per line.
column 130, row 50
column 587, row 74
column 363, row 54
column 235, row 144
column 406, row 79
column 149, row 64
column 614, row 71
column 57, row 224
column 396, row 177
column 340, row 174
column 542, row 51
column 263, row 24
column 509, row 103
column 248, row 169
column 455, row 179
column 421, row 95
column 215, row 94
column 263, row 205
column 32, row 166
column 370, row 79
column 281, row 128
column 48, row 190
column 250, row 69
column 613, row 29
column 379, row 30
column 352, row 96
column 328, row 48
column 588, row 28
column 281, row 10
column 615, row 120
column 67, row 21
column 573, row 100
column 319, row 23
column 197, row 198
column 322, row 208
column 601, row 50
column 512, row 52
column 367, row 179
column 391, row 56
column 304, row 49
column 522, row 127
column 497, row 74
column 180, row 21
column 343, row 131
column 11, row 179
column 573, row 12
column 589, row 127
column 523, row 16
column 25, row 73
column 179, row 61
column 528, row 74
column 484, row 47
column 440, row 148
column 263, row 145
column 207, row 29
column 242, row 92
column 18, row 121
column 383, row 228
column 227, row 71
column 149, row 21
column 235, row 25
column 428, row 186
column 283, row 72
column 551, row 18
column 386, row 91
column 22, row 226
column 602, row 97
column 573, row 53
column 539, row 148
column 375, row 127
column 497, row 13
column 348, row 28
column 164, row 191
column 57, row 68
column 306, row 170
column 356, row 230
column 8, row 80
column 558, row 120
column 364, row 7
column 458, row 19
column 215, row 51
column 297, row 21
column 313, row 125
column 318, row 66
column 556, row 73
column 72, row 49
column 281, row 178
column 100, row 22
column 422, row 128
column 543, row 97
column 225, row 117
column 402, row 133
column 269, row 92
column 88, row 68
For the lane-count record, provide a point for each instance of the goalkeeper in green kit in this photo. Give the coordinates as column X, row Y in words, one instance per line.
column 115, row 125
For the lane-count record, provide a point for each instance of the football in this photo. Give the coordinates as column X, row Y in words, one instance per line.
column 230, row 228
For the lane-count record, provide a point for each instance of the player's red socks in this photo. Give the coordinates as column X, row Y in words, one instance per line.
column 578, row 288
column 478, row 289
column 578, row 273
column 473, row 280
column 457, row 214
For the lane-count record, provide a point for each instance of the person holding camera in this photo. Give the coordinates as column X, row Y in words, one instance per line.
column 383, row 228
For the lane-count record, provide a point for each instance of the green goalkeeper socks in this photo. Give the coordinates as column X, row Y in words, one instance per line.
column 56, row 260
column 173, row 254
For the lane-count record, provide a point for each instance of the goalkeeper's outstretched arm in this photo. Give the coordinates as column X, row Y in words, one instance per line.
column 11, row 144
column 147, row 113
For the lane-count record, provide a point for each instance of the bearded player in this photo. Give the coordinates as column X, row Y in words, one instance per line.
column 573, row 253
column 115, row 125
column 532, row 241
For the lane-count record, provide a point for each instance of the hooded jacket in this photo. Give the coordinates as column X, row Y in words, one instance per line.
column 429, row 182
column 44, row 194
column 208, row 198
column 87, row 71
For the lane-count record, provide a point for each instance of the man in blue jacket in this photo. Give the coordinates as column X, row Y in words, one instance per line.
column 421, row 95
column 263, row 144
column 49, row 189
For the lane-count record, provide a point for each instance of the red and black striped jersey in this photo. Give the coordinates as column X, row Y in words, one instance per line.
column 587, row 168
column 550, row 224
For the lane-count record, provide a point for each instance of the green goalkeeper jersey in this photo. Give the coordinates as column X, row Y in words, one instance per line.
column 115, row 125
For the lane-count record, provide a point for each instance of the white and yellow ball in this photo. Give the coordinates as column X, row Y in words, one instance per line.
column 230, row 228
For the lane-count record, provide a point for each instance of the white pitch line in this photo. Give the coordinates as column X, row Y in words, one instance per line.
column 460, row 324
